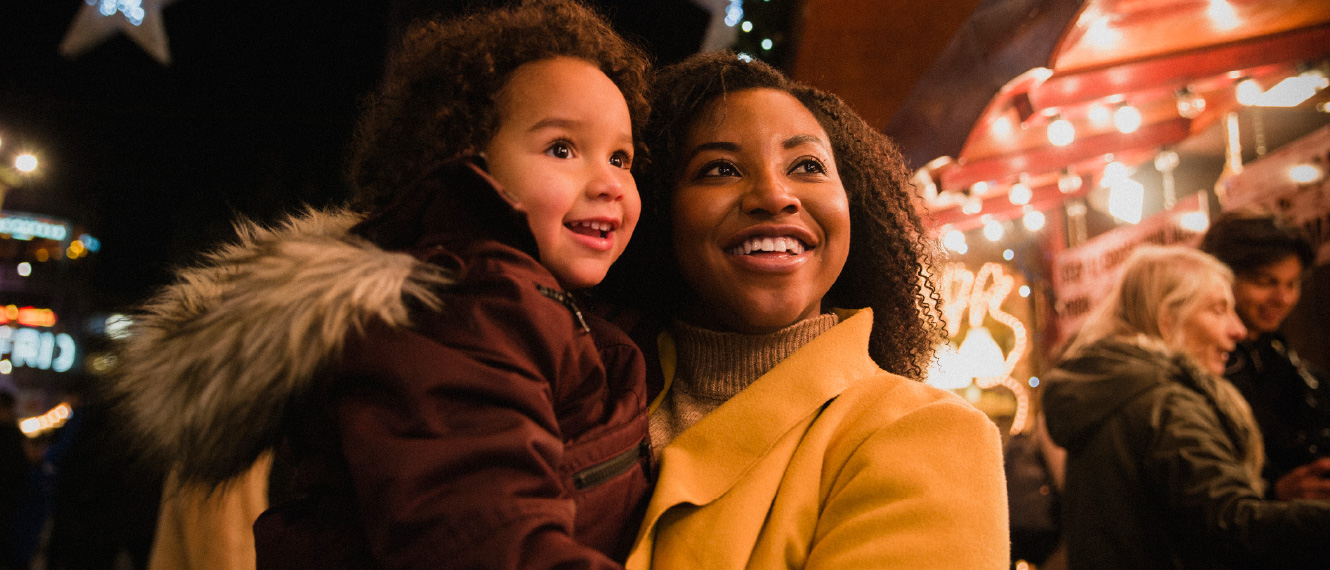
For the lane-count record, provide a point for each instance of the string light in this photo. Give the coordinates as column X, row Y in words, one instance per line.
column 1190, row 103
column 1061, row 132
column 1020, row 193
column 993, row 230
column 1127, row 118
column 1033, row 220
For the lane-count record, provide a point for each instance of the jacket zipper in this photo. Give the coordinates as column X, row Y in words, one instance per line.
column 609, row 468
column 565, row 300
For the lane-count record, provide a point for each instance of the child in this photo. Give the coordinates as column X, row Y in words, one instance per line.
column 424, row 370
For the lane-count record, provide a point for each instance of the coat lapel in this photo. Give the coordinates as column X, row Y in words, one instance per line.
column 713, row 455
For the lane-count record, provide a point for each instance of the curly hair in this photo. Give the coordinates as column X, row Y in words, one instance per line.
column 440, row 93
column 890, row 256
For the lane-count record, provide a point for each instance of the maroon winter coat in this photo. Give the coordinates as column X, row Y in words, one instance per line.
column 506, row 430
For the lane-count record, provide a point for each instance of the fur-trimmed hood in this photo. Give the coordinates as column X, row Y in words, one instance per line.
column 214, row 360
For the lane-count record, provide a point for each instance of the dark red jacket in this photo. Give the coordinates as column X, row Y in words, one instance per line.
column 506, row 430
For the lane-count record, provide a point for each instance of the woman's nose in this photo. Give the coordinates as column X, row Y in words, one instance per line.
column 769, row 193
column 1236, row 330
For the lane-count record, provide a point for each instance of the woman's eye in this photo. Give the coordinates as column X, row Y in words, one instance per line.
column 559, row 149
column 719, row 169
column 808, row 166
column 621, row 159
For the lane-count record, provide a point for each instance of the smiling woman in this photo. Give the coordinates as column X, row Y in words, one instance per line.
column 783, row 440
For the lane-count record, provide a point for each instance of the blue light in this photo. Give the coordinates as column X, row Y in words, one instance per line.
column 734, row 13
column 1034, row 381
column 766, row 44
column 91, row 243
column 1007, row 254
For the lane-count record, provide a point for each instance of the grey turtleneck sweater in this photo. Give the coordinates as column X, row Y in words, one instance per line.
column 714, row 366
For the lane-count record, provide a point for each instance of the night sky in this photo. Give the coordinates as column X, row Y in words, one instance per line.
column 252, row 118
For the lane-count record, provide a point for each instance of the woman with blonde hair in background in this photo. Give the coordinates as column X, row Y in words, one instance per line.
column 1164, row 459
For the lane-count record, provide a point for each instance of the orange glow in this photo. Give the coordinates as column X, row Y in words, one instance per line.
column 28, row 316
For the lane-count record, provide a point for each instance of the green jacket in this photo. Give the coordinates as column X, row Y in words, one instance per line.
column 1154, row 474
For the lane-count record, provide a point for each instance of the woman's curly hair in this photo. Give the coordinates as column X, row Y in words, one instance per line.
column 440, row 94
column 890, row 256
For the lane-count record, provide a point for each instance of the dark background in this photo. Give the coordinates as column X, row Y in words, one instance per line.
column 251, row 118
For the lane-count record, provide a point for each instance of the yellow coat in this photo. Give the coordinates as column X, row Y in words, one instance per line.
column 829, row 462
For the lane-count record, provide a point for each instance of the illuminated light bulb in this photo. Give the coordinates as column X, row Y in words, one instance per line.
column 1190, row 103
column 1166, row 161
column 1068, row 183
column 766, row 44
column 980, row 356
column 1223, row 15
column 1034, row 380
column 973, row 205
column 1194, row 221
column 1127, row 119
column 993, row 230
column 1292, row 91
column 1008, row 254
column 1115, row 170
column 979, row 188
column 947, row 372
column 1248, row 92
column 1061, row 132
column 1126, row 199
column 1002, row 127
column 1101, row 36
column 1099, row 115
column 734, row 12
column 25, row 162
column 25, row 269
column 954, row 240
column 746, row 26
column 1323, row 107
column 1304, row 173
column 1034, row 220
column 6, row 367
column 1020, row 193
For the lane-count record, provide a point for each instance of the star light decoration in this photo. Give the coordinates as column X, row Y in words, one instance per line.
column 96, row 22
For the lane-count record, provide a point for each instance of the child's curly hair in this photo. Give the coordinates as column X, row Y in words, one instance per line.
column 890, row 255
column 440, row 93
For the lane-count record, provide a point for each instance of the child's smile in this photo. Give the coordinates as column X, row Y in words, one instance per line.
column 563, row 149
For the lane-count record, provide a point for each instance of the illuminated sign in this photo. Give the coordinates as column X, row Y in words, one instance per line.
column 969, row 298
column 25, row 346
column 26, row 226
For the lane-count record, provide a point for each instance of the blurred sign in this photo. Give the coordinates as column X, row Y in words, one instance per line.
column 24, row 226
column 1273, row 184
column 1084, row 274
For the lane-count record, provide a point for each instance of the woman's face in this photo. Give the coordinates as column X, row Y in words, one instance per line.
column 761, row 220
column 1211, row 330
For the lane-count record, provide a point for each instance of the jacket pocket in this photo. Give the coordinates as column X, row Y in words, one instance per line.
column 610, row 468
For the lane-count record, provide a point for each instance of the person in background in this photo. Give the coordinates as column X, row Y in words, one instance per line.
column 792, row 323
column 1163, row 456
column 1290, row 401
column 14, row 467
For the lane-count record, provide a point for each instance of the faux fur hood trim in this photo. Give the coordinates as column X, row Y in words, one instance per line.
column 213, row 360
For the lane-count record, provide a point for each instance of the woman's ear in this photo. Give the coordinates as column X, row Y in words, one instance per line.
column 1167, row 324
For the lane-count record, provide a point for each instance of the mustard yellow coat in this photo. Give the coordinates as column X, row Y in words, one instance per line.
column 829, row 462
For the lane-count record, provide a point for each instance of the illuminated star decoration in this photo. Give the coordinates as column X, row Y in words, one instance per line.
column 96, row 22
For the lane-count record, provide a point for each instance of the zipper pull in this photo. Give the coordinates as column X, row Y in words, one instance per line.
column 566, row 300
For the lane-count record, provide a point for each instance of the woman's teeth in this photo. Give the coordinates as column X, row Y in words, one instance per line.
column 768, row 244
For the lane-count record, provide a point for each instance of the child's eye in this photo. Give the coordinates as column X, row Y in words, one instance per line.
column 621, row 159
column 560, row 149
column 808, row 166
column 719, row 169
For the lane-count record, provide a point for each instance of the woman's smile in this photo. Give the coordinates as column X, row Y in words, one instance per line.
column 761, row 219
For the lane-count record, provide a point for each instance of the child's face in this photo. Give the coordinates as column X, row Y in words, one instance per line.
column 563, row 150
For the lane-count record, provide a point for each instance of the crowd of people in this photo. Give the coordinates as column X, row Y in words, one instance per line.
column 586, row 314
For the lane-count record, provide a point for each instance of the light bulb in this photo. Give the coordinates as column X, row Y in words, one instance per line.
column 1061, row 132
column 1127, row 119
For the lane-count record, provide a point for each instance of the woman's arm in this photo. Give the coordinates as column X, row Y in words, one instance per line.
column 1211, row 495
column 924, row 491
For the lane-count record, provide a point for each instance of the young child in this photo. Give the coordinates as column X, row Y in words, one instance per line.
column 424, row 370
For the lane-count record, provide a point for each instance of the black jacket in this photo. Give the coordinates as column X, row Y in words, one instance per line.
column 1154, row 472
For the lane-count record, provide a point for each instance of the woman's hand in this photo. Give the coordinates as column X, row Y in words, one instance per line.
column 1310, row 481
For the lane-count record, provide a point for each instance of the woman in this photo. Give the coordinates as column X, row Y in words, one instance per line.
column 1164, row 459
column 782, row 440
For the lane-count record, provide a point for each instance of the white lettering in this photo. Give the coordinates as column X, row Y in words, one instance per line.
column 64, row 360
